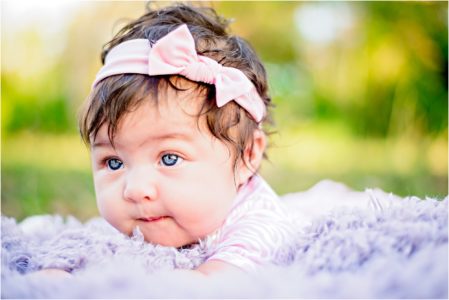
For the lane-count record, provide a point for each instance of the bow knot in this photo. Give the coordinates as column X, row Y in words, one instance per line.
column 204, row 70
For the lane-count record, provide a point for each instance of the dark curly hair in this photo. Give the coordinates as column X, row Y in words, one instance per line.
column 116, row 95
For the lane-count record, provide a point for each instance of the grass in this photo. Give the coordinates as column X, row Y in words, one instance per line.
column 30, row 190
column 303, row 156
column 46, row 174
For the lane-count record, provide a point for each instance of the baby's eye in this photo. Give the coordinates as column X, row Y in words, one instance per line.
column 114, row 164
column 170, row 159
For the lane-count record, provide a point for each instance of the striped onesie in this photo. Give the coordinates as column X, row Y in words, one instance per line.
column 258, row 230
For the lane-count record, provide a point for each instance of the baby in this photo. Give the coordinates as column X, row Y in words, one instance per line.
column 174, row 123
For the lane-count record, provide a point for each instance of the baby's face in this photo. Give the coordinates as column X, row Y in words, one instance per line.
column 165, row 175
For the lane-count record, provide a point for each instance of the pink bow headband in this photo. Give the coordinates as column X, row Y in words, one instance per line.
column 175, row 54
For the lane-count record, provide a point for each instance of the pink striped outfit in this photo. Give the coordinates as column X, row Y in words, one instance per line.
column 258, row 230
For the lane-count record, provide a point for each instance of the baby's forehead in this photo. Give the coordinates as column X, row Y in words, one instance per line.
column 172, row 117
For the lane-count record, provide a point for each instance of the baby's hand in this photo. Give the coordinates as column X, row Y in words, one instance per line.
column 210, row 268
column 215, row 266
column 51, row 273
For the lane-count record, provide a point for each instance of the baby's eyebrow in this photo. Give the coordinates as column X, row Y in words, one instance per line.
column 178, row 135
column 173, row 135
column 165, row 136
column 101, row 144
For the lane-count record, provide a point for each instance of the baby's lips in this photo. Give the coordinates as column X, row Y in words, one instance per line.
column 152, row 219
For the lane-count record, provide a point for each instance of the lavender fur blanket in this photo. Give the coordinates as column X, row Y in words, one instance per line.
column 353, row 245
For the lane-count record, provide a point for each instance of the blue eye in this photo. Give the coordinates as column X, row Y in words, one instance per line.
column 170, row 160
column 114, row 164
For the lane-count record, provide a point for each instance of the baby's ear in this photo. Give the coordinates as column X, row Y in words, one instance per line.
column 252, row 157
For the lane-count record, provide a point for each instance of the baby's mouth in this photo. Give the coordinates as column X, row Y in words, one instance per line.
column 152, row 219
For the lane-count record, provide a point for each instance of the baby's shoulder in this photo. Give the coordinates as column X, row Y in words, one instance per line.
column 261, row 202
column 260, row 205
column 258, row 230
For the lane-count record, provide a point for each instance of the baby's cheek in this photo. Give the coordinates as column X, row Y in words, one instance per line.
column 199, row 214
column 110, row 204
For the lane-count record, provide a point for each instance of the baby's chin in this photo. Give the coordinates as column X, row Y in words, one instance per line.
column 165, row 233
column 176, row 243
column 171, row 243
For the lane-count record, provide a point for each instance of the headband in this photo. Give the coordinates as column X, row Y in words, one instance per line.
column 175, row 54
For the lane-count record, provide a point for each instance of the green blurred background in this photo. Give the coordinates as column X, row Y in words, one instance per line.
column 360, row 90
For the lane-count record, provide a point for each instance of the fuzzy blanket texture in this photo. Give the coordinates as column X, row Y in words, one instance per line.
column 353, row 245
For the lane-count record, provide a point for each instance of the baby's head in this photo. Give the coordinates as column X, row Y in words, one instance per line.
column 174, row 135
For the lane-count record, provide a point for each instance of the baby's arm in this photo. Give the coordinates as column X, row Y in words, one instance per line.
column 213, row 266
column 51, row 273
column 207, row 268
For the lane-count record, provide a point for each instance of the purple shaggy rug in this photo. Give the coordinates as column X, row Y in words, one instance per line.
column 352, row 245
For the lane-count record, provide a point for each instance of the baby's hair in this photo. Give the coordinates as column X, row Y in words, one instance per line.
column 117, row 95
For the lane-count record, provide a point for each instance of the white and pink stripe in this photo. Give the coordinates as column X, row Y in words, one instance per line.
column 257, row 231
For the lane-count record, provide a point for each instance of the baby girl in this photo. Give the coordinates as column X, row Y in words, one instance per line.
column 174, row 122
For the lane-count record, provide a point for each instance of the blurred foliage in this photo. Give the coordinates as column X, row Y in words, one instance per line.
column 360, row 90
column 385, row 73
column 31, row 110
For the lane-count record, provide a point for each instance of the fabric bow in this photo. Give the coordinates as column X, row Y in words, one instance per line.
column 175, row 53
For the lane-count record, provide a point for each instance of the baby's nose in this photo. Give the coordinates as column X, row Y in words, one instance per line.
column 140, row 185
